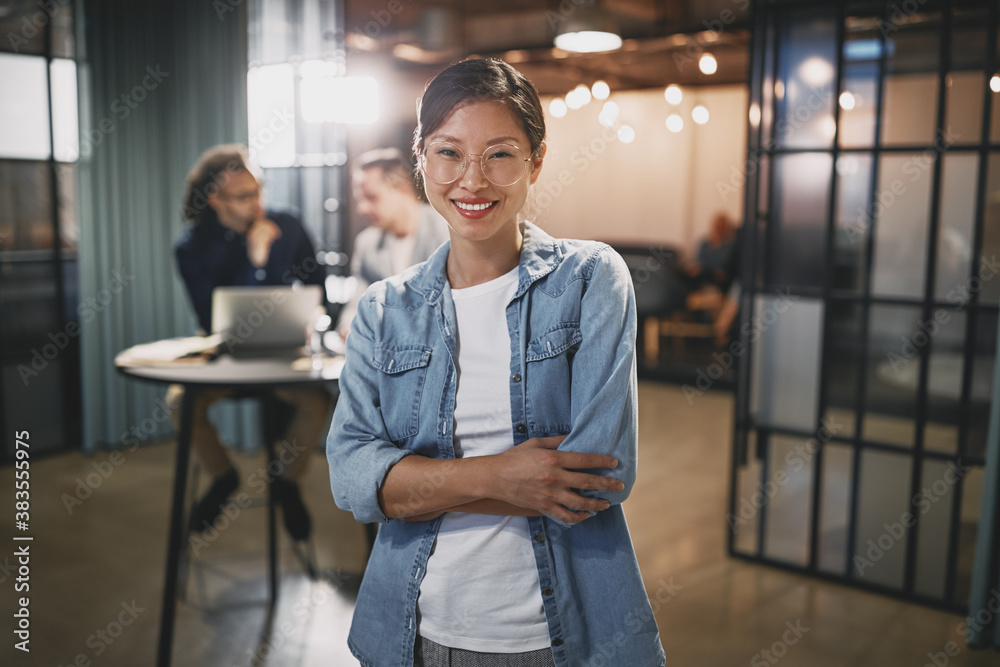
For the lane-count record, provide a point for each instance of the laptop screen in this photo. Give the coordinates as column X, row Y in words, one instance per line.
column 265, row 316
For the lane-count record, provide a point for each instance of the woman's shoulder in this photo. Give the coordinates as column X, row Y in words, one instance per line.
column 407, row 290
column 587, row 257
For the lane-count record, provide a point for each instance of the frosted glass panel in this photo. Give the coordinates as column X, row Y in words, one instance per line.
column 25, row 207
column 880, row 537
column 911, row 84
column 964, row 114
column 907, row 118
column 944, row 381
column 786, row 360
column 990, row 291
column 901, row 217
column 843, row 360
column 835, row 505
column 857, row 102
column 982, row 382
column 934, row 508
column 65, row 121
column 789, row 487
column 802, row 193
column 24, row 108
column 966, row 81
column 859, row 89
column 895, row 339
column 957, row 223
column 972, row 502
column 804, row 93
column 853, row 215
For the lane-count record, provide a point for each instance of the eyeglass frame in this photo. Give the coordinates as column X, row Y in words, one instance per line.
column 465, row 163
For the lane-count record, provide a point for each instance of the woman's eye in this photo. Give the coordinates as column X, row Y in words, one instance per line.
column 447, row 152
column 500, row 154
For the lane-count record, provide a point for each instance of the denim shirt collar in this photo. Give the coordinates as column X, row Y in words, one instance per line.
column 540, row 255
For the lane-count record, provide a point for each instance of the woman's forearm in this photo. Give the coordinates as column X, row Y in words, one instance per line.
column 418, row 486
column 532, row 476
column 482, row 506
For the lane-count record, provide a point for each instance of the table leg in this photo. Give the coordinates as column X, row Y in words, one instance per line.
column 272, row 536
column 175, row 533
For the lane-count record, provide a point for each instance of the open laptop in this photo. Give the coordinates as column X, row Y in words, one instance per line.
column 264, row 320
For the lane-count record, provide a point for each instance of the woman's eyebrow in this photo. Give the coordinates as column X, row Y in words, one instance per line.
column 455, row 140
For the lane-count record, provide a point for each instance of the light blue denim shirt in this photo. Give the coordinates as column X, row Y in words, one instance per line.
column 572, row 372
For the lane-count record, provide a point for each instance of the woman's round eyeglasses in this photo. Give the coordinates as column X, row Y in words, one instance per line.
column 503, row 164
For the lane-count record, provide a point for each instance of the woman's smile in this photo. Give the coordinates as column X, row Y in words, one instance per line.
column 474, row 208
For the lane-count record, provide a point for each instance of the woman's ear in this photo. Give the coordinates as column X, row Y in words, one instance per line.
column 536, row 162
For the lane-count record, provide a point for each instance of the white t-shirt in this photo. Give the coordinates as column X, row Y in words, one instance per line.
column 481, row 590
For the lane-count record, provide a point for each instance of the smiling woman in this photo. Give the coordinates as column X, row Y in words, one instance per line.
column 488, row 416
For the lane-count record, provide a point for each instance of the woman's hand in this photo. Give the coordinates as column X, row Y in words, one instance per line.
column 537, row 476
column 533, row 477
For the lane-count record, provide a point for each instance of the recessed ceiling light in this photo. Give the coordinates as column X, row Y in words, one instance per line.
column 673, row 94
column 557, row 108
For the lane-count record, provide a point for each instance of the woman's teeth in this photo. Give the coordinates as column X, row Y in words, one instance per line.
column 474, row 207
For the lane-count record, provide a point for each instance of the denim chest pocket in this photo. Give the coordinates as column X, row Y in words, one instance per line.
column 402, row 371
column 549, row 373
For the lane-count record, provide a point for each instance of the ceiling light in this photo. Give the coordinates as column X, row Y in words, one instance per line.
column 675, row 123
column 708, row 64
column 557, row 108
column 626, row 134
column 673, row 94
column 995, row 83
column 588, row 41
column 608, row 115
column 600, row 90
column 587, row 29
column 573, row 100
column 847, row 100
column 699, row 115
column 816, row 71
column 584, row 94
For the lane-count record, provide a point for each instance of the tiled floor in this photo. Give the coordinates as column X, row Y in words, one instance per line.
column 97, row 572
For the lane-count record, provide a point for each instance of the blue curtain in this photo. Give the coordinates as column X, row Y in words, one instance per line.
column 160, row 83
column 984, row 601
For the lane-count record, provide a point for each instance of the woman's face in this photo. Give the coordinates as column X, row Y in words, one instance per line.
column 476, row 209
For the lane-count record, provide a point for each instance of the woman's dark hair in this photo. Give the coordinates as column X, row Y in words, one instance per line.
column 479, row 80
column 209, row 175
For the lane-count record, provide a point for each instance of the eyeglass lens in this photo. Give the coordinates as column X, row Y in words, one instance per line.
column 502, row 164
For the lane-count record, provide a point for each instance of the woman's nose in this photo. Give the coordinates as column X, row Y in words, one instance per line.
column 473, row 177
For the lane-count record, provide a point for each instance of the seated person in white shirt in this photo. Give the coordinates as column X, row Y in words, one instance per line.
column 402, row 231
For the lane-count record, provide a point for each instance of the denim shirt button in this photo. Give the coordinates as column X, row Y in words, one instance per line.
column 557, row 641
column 547, row 590
column 539, row 537
column 520, row 428
column 516, row 377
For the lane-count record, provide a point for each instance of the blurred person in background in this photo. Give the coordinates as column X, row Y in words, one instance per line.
column 402, row 230
column 235, row 241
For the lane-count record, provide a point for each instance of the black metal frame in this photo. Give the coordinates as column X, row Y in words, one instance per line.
column 69, row 381
column 765, row 61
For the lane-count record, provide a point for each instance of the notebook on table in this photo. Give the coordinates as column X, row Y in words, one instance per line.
column 264, row 320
